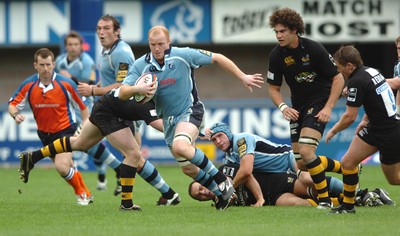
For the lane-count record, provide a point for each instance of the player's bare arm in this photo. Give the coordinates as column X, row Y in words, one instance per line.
column 348, row 117
column 126, row 91
column 337, row 87
column 249, row 81
column 276, row 96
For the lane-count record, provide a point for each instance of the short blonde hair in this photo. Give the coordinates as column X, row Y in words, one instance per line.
column 158, row 28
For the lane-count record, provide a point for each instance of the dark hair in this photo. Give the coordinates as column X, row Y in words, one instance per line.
column 288, row 18
column 43, row 53
column 73, row 34
column 115, row 21
column 348, row 54
column 190, row 192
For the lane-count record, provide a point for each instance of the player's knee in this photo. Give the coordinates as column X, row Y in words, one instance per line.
column 189, row 170
column 308, row 145
column 181, row 143
column 132, row 154
column 395, row 180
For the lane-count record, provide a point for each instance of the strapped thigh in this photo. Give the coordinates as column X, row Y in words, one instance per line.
column 309, row 141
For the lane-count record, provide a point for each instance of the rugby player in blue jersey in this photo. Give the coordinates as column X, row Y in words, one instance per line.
column 115, row 60
column 268, row 170
column 79, row 66
column 178, row 105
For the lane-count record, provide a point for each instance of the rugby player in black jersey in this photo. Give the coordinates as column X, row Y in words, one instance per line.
column 379, row 130
column 108, row 120
column 315, row 86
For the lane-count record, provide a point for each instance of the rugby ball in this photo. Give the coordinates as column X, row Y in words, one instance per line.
column 146, row 78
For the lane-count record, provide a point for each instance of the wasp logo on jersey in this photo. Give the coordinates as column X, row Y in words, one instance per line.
column 306, row 60
column 351, row 94
column 242, row 146
column 290, row 179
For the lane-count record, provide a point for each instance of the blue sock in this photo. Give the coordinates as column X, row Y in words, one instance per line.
column 335, row 186
column 204, row 179
column 204, row 163
column 101, row 154
column 151, row 175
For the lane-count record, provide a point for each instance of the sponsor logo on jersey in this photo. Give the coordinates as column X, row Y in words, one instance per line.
column 306, row 77
column 242, row 146
column 289, row 60
column 351, row 94
column 270, row 75
column 122, row 71
column 167, row 81
column 123, row 66
column 228, row 171
column 205, row 52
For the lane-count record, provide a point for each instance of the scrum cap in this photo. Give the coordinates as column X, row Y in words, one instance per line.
column 221, row 127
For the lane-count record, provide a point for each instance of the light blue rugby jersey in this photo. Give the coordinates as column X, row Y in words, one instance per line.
column 82, row 68
column 269, row 157
column 176, row 91
column 114, row 64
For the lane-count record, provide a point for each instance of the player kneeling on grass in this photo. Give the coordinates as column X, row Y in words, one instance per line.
column 281, row 189
column 256, row 154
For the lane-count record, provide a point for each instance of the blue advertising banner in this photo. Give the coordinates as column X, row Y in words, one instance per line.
column 254, row 116
column 187, row 21
column 45, row 22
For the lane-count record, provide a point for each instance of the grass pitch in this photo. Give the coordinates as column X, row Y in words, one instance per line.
column 46, row 206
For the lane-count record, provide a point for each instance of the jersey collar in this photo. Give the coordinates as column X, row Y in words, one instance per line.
column 108, row 52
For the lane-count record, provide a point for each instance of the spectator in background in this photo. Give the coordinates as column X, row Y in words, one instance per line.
column 53, row 99
column 79, row 66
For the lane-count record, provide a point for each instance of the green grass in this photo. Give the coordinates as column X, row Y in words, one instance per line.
column 46, row 206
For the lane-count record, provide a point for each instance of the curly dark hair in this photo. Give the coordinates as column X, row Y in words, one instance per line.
column 288, row 18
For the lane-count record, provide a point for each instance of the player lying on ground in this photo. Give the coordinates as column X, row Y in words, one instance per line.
column 284, row 189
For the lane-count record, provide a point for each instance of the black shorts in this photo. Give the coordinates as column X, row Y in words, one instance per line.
column 273, row 185
column 388, row 150
column 48, row 138
column 110, row 114
column 104, row 119
column 307, row 118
